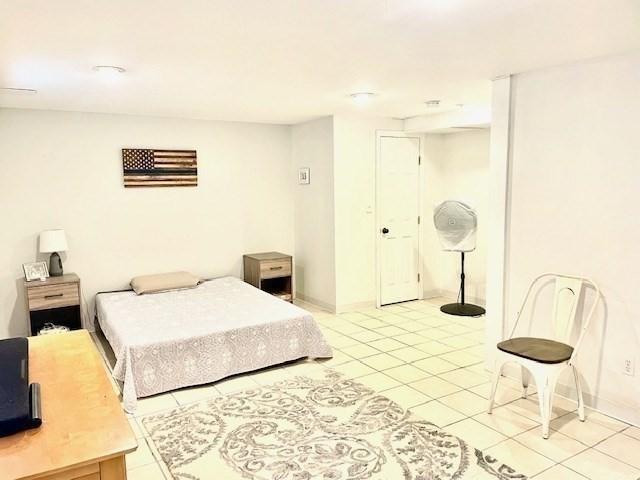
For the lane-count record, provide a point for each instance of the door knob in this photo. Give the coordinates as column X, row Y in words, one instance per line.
column 385, row 230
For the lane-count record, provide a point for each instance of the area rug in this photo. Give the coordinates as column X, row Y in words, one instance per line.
column 302, row 428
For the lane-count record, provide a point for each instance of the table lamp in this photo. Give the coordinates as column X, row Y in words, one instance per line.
column 53, row 241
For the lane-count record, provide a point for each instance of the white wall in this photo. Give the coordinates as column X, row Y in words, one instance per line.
column 64, row 170
column 355, row 198
column 312, row 146
column 456, row 167
column 575, row 179
column 335, row 218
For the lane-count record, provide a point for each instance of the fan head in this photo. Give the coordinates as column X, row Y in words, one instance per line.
column 456, row 224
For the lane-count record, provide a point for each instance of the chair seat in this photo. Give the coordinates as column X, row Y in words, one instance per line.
column 540, row 350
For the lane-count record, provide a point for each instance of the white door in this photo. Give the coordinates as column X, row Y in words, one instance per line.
column 398, row 211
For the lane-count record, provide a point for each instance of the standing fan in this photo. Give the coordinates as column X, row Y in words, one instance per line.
column 456, row 224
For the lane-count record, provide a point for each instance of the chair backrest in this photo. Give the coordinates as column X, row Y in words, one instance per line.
column 568, row 289
column 565, row 303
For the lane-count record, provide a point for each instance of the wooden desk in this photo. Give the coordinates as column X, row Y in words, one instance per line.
column 85, row 434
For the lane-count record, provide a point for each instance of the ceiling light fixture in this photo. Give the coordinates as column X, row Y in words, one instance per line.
column 109, row 68
column 18, row 91
column 432, row 103
column 362, row 98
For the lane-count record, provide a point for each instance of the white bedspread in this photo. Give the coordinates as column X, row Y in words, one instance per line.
column 176, row 339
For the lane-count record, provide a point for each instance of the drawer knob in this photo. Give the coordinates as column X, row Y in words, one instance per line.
column 277, row 268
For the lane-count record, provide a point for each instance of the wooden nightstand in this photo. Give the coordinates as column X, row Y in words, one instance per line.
column 271, row 272
column 55, row 300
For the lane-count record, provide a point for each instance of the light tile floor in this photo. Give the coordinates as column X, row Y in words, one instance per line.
column 433, row 363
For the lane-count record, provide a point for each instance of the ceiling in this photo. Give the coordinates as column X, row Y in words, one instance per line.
column 286, row 61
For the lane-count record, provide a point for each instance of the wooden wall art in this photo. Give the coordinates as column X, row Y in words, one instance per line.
column 159, row 168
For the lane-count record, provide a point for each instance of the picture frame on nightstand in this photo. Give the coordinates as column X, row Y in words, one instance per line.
column 35, row 271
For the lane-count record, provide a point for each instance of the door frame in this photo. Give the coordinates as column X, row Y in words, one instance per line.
column 399, row 134
column 500, row 166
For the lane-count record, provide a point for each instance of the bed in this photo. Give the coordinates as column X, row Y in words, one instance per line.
column 165, row 341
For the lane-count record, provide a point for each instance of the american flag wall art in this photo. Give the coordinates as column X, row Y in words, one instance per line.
column 144, row 167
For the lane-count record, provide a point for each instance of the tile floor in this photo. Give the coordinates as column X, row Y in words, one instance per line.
column 432, row 363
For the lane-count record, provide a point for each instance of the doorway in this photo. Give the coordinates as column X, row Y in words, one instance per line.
column 398, row 218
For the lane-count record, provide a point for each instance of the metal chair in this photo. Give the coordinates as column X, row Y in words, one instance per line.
column 543, row 358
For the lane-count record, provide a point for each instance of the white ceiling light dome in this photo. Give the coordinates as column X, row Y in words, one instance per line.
column 18, row 91
column 362, row 98
column 109, row 69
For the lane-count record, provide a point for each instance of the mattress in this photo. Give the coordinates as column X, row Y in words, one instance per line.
column 181, row 338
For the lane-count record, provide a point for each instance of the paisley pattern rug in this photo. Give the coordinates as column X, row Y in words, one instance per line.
column 302, row 428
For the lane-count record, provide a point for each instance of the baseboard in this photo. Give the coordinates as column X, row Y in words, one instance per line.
column 625, row 413
column 318, row 303
column 435, row 293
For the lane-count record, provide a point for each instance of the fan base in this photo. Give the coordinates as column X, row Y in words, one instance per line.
column 463, row 309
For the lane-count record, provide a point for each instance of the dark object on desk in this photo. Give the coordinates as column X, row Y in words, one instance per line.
column 19, row 401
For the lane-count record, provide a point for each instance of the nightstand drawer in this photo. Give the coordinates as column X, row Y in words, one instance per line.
column 275, row 268
column 53, row 296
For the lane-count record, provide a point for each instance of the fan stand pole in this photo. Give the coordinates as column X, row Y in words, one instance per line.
column 462, row 309
column 462, row 280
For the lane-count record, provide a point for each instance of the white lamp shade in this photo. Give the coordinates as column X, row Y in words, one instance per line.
column 53, row 241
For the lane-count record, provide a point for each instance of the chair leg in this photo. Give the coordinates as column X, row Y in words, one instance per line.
column 497, row 371
column 525, row 381
column 546, row 384
column 579, row 390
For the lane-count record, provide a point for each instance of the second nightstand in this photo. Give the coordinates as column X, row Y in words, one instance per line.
column 271, row 272
column 55, row 300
